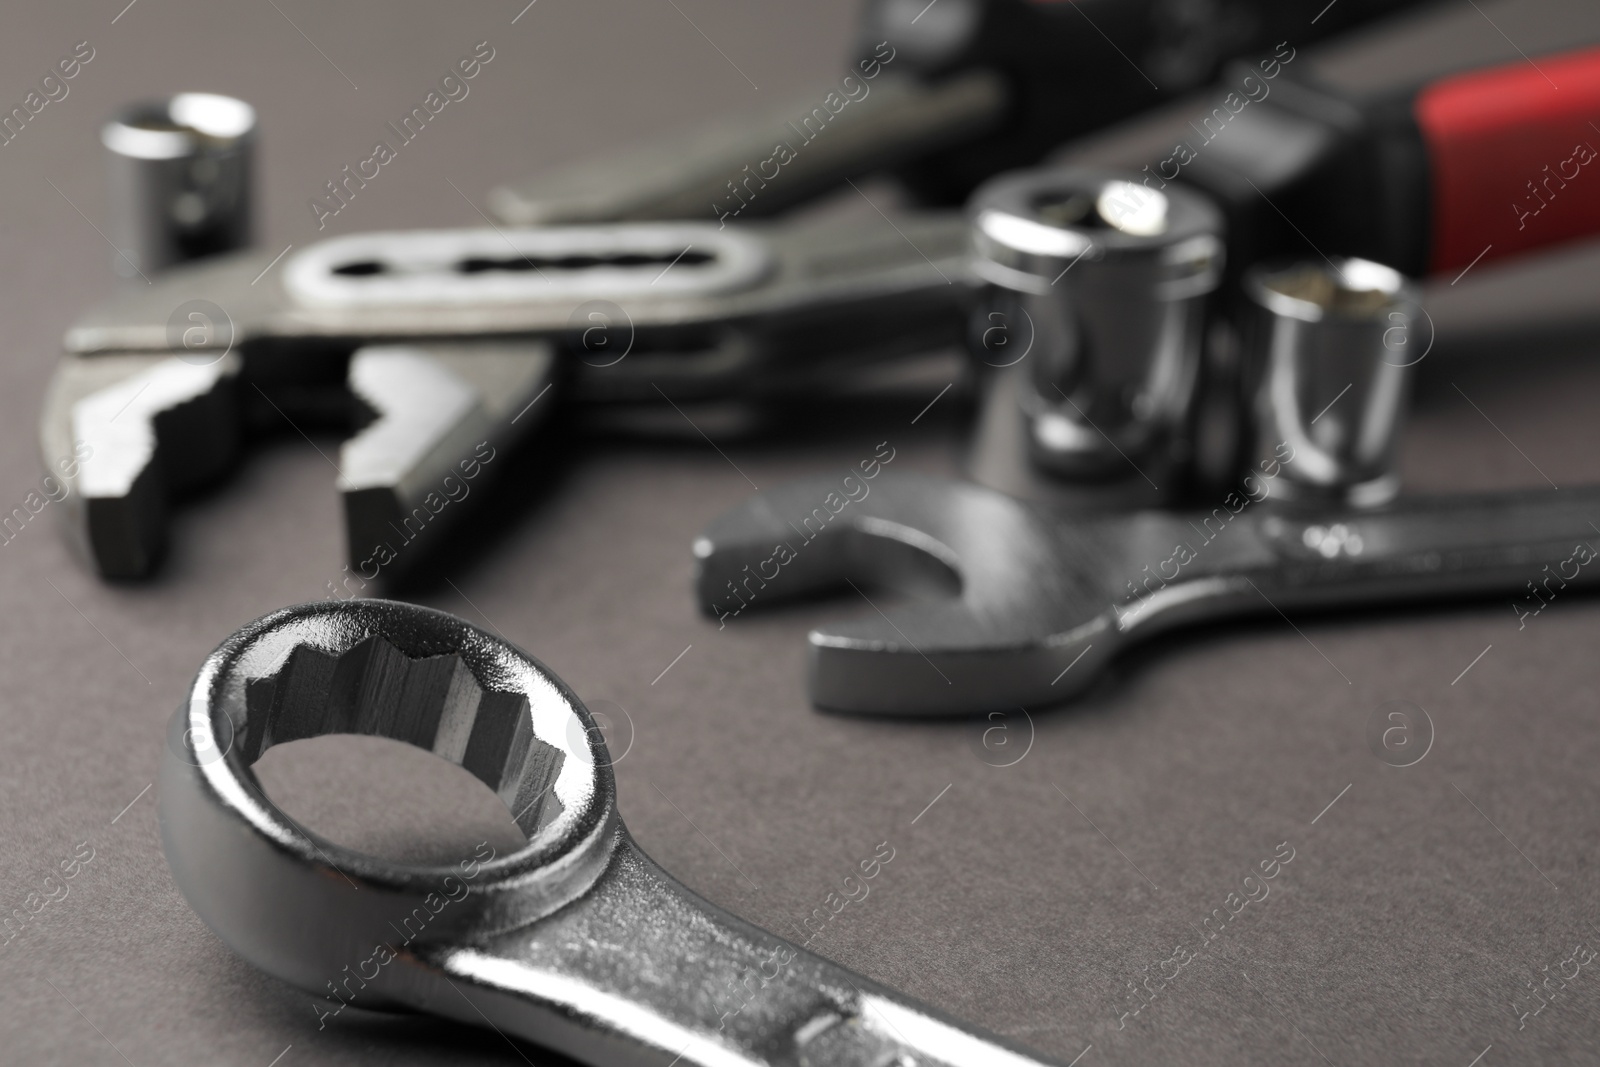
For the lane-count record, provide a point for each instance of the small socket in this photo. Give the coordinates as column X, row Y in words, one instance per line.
column 1098, row 287
column 1327, row 376
column 180, row 180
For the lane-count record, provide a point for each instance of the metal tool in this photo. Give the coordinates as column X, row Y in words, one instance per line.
column 180, row 180
column 448, row 339
column 1035, row 604
column 755, row 169
column 1327, row 378
column 577, row 941
column 1448, row 173
column 1103, row 282
column 944, row 95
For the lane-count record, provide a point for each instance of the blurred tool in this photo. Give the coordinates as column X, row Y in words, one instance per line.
column 577, row 941
column 968, row 88
column 1104, row 283
column 180, row 180
column 439, row 347
column 1035, row 603
column 1441, row 176
column 1328, row 357
column 445, row 338
column 1458, row 171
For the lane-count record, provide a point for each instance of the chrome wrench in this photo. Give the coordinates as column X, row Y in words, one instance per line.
column 577, row 941
column 1030, row 605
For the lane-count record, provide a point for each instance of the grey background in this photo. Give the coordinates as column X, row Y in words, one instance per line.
column 1401, row 932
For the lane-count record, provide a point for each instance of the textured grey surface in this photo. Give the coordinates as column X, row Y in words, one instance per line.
column 1415, row 909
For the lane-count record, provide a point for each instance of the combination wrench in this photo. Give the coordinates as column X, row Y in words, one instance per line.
column 1029, row 605
column 577, row 941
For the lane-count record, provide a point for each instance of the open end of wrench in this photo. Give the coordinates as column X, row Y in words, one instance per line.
column 304, row 908
column 1044, row 601
column 1024, row 600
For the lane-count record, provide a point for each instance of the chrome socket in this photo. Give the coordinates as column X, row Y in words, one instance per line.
column 180, row 180
column 1329, row 347
column 1097, row 295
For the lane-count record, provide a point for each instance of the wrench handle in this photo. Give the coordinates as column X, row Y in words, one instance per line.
column 1531, row 544
column 640, row 971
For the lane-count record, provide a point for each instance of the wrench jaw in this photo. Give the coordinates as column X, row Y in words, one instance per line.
column 136, row 430
column 443, row 413
column 641, row 971
column 883, row 672
column 312, row 912
column 1024, row 597
column 143, row 429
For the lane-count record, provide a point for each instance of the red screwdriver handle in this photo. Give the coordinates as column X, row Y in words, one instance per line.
column 1513, row 155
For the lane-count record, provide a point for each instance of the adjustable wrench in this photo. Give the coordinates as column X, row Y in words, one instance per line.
column 447, row 341
column 577, row 941
column 1033, row 604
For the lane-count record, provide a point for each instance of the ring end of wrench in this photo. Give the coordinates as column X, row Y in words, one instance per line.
column 303, row 908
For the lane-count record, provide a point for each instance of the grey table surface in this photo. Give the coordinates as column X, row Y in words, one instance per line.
column 1416, row 909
